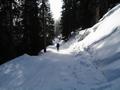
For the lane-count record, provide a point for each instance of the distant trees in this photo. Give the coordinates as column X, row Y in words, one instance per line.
column 83, row 13
column 21, row 28
column 47, row 24
column 58, row 29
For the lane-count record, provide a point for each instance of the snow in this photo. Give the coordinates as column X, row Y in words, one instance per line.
column 52, row 71
column 102, row 48
column 106, row 26
column 90, row 60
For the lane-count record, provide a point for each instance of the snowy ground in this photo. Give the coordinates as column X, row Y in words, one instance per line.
column 88, row 61
column 52, row 71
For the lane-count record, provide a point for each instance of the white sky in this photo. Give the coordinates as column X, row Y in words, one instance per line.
column 56, row 7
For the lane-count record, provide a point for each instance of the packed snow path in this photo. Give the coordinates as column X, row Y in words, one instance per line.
column 51, row 71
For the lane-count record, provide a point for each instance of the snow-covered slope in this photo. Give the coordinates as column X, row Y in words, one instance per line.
column 107, row 26
column 102, row 46
column 103, row 41
column 89, row 61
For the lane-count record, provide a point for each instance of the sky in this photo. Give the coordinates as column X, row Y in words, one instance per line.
column 56, row 7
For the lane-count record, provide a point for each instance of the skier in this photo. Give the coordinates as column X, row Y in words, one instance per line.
column 57, row 46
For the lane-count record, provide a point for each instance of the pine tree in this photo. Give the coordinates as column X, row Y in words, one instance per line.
column 68, row 16
column 6, row 27
column 47, row 23
column 32, row 28
column 17, row 32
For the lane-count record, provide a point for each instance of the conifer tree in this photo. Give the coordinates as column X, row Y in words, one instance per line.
column 32, row 27
column 6, row 27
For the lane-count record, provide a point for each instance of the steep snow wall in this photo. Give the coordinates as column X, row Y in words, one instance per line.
column 104, row 36
column 102, row 47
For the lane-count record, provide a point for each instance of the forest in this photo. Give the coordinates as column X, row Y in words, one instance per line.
column 23, row 25
column 27, row 26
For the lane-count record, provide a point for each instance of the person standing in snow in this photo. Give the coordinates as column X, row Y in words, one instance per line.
column 58, row 46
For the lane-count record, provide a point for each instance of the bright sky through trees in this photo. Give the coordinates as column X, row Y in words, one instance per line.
column 56, row 7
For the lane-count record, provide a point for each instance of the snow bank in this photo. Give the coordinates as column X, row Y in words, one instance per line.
column 105, row 39
column 102, row 48
column 105, row 28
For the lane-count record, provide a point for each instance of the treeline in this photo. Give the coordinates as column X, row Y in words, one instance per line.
column 24, row 27
column 83, row 13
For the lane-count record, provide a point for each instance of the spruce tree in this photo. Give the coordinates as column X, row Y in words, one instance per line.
column 6, row 27
column 32, row 27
